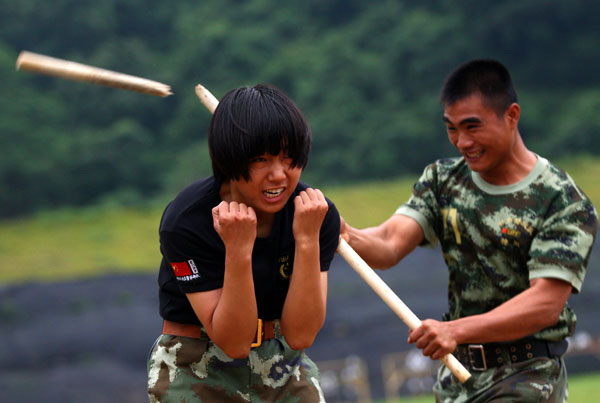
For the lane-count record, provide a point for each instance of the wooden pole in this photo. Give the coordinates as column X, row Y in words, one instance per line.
column 81, row 72
column 394, row 302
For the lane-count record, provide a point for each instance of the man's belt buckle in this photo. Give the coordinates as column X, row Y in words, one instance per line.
column 259, row 334
column 477, row 348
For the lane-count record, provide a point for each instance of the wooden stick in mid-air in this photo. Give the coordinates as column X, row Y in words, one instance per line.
column 81, row 72
column 207, row 98
column 366, row 272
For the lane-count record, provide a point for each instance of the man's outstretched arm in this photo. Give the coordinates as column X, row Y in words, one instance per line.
column 385, row 245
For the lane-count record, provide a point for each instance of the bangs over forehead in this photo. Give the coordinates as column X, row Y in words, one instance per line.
column 249, row 122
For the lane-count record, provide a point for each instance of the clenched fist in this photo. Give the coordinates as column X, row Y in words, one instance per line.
column 310, row 210
column 235, row 223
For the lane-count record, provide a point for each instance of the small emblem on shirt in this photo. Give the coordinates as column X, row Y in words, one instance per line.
column 284, row 266
column 515, row 231
column 185, row 271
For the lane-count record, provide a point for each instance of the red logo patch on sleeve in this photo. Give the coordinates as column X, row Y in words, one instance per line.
column 181, row 269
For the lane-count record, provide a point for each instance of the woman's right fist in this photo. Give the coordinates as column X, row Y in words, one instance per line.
column 235, row 223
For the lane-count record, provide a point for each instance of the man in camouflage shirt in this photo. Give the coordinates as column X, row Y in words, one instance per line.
column 515, row 232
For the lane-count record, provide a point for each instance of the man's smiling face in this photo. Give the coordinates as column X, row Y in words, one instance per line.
column 485, row 139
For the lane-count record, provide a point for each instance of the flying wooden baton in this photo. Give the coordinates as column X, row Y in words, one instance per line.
column 367, row 273
column 81, row 72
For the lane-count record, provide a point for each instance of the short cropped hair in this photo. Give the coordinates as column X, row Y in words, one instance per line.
column 488, row 78
column 252, row 121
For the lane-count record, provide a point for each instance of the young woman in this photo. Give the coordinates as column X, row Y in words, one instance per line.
column 243, row 279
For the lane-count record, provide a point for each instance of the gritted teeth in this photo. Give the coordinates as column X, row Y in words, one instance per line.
column 474, row 154
column 273, row 192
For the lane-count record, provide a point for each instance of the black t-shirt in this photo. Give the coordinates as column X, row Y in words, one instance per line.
column 194, row 254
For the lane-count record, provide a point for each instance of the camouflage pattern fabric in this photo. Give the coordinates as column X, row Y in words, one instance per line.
column 536, row 380
column 182, row 369
column 495, row 239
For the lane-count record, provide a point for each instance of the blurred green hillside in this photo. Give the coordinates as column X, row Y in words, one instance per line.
column 366, row 74
column 74, row 243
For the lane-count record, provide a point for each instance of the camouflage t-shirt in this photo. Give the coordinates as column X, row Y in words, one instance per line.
column 495, row 239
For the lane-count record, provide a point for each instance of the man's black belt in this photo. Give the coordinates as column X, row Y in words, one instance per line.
column 480, row 357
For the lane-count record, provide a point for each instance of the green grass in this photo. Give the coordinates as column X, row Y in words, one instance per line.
column 585, row 170
column 79, row 243
column 582, row 389
column 369, row 204
column 73, row 243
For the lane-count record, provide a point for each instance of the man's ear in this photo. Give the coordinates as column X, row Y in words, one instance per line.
column 512, row 114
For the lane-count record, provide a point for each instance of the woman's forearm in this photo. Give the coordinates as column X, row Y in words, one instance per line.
column 304, row 308
column 234, row 320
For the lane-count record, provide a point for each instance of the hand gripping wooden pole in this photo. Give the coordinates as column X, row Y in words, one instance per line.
column 394, row 302
column 81, row 72
column 363, row 269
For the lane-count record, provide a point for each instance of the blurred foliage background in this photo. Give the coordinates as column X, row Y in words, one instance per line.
column 366, row 74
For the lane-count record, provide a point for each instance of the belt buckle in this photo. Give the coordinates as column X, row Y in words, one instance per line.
column 479, row 348
column 259, row 334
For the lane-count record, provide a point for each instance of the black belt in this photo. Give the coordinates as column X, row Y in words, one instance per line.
column 480, row 357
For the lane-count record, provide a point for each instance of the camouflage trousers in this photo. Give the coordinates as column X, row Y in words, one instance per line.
column 535, row 380
column 183, row 369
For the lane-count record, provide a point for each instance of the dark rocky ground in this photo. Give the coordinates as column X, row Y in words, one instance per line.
column 87, row 340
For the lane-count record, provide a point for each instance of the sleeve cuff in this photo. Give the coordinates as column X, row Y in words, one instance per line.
column 548, row 272
column 431, row 239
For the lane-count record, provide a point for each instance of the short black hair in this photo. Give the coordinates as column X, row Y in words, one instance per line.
column 251, row 121
column 486, row 77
